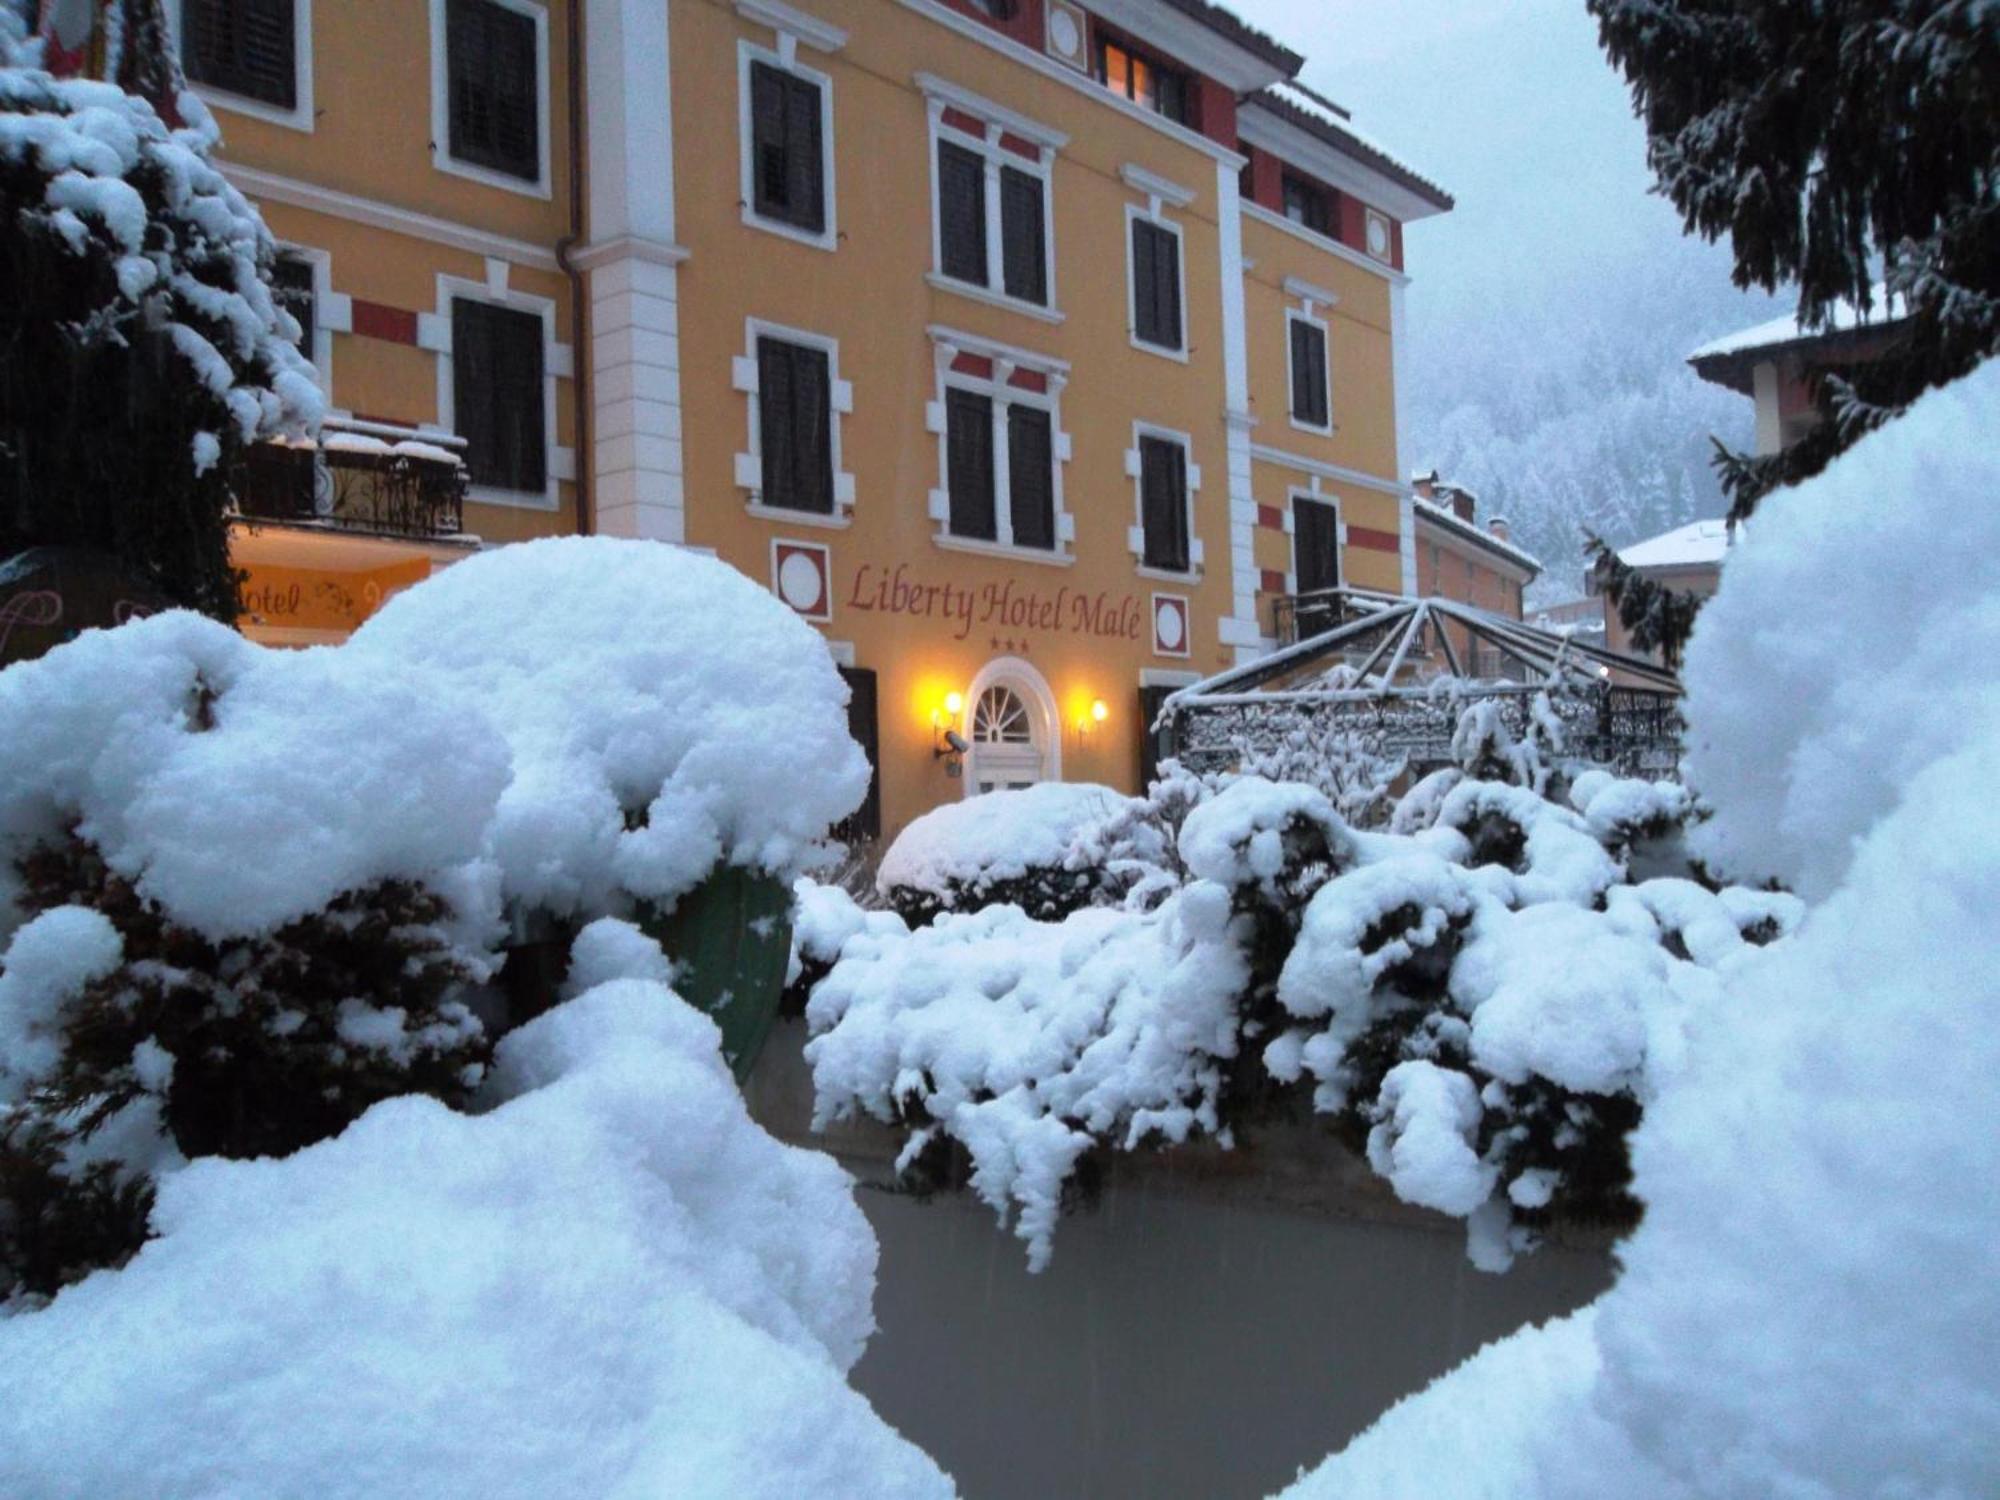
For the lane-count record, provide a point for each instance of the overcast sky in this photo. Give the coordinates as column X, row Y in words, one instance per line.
column 1512, row 107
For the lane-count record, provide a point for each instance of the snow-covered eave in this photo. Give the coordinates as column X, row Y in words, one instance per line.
column 1729, row 360
column 1457, row 530
column 1316, row 138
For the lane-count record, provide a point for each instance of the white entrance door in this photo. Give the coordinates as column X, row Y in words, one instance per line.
column 1004, row 749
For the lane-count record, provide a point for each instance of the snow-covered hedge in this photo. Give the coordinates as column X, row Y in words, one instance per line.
column 295, row 871
column 1808, row 1308
column 607, row 1281
column 1484, row 1003
column 1015, row 847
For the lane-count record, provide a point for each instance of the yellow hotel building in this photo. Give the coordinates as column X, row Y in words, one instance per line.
column 1032, row 351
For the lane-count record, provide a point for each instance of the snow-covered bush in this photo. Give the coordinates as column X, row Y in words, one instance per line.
column 1016, row 848
column 605, row 1281
column 1483, row 1004
column 144, row 349
column 1807, row 1308
column 294, row 871
column 1027, row 1042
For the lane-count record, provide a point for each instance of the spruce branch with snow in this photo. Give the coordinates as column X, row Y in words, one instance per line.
column 1850, row 151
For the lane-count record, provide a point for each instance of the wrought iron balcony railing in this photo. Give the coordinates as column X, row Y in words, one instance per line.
column 363, row 477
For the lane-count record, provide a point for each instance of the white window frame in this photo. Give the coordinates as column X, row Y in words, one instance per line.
column 333, row 312
column 301, row 116
column 441, row 157
column 1135, row 534
column 784, row 58
column 1000, row 121
column 1160, row 195
column 1318, row 496
column 743, row 377
column 558, row 363
column 947, row 344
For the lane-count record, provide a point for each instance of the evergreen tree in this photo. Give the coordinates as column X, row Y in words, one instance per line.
column 140, row 347
column 1835, row 145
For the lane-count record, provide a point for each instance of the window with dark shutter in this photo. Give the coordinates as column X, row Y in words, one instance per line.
column 292, row 289
column 498, row 396
column 795, row 425
column 1315, row 546
column 1310, row 401
column 787, row 165
column 492, row 73
column 1031, row 477
column 969, row 463
column 962, row 213
column 1163, row 507
column 245, row 47
column 1156, row 285
column 1024, row 245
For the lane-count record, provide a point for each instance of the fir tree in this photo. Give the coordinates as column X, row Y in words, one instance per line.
column 141, row 350
column 1824, row 141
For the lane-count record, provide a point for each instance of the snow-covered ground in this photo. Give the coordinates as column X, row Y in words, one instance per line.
column 1808, row 1309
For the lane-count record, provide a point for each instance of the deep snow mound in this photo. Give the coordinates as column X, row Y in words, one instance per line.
column 611, row 1283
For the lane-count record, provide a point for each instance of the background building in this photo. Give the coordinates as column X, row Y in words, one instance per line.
column 1033, row 352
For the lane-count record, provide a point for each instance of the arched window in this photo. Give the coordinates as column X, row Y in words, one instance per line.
column 1001, row 718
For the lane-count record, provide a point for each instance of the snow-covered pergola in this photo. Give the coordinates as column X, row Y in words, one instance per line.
column 1399, row 672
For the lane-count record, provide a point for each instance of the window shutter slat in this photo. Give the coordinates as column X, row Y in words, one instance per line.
column 498, row 394
column 493, row 105
column 1163, row 503
column 776, row 422
column 247, row 47
column 962, row 213
column 1309, row 374
column 1315, row 545
column 1024, row 244
column 1156, row 285
column 812, row 431
column 802, row 140
column 969, row 464
column 1031, row 477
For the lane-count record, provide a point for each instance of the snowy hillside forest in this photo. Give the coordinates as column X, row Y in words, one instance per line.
column 1564, row 414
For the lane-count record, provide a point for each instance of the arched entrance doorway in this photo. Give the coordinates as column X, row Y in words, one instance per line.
column 1014, row 729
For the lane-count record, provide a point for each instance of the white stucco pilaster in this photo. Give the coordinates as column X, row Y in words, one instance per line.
column 632, row 263
column 1239, row 628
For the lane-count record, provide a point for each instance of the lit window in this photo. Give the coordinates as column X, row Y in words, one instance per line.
column 1154, row 85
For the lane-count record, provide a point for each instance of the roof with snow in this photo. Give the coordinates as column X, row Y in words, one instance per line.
column 1232, row 26
column 1317, row 115
column 1446, row 519
column 1726, row 360
column 1697, row 544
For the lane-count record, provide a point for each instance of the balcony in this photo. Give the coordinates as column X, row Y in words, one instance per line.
column 1300, row 617
column 359, row 477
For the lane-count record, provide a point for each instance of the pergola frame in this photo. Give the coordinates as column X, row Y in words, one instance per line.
column 1357, row 678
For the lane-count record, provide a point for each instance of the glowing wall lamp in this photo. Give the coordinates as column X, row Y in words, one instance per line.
column 947, row 744
column 1089, row 723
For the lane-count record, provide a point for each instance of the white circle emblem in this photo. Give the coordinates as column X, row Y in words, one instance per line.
column 1378, row 236
column 1063, row 34
column 1167, row 625
column 799, row 582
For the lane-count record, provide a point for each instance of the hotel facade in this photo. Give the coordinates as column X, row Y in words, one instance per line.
column 1037, row 354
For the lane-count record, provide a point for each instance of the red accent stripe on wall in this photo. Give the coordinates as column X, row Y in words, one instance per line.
column 1272, row 581
column 977, row 365
column 1270, row 518
column 377, row 320
column 958, row 119
column 1014, row 143
column 1379, row 541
